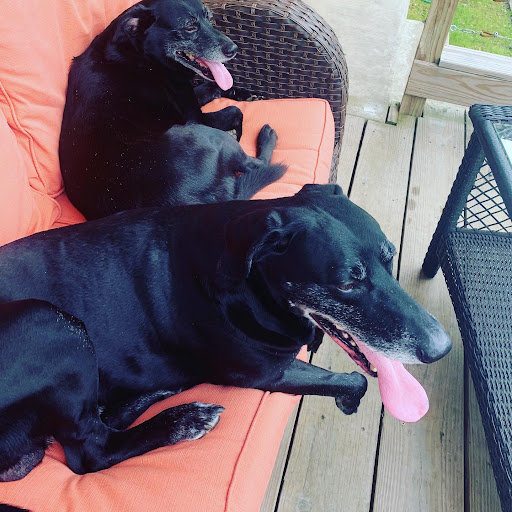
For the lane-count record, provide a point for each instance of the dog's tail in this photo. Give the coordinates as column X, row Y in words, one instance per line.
column 257, row 175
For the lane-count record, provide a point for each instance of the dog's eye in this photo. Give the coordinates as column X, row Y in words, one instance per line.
column 346, row 287
column 387, row 251
column 192, row 24
column 280, row 243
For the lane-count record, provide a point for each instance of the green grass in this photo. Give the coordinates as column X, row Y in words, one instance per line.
column 478, row 15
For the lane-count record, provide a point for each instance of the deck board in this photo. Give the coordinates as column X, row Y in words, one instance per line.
column 331, row 461
column 421, row 465
column 380, row 184
column 354, row 128
column 274, row 485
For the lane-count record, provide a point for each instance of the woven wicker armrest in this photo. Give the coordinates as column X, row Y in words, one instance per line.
column 286, row 51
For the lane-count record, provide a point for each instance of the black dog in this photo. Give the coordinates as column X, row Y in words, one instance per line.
column 133, row 134
column 171, row 297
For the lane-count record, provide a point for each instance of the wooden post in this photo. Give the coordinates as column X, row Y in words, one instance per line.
column 430, row 47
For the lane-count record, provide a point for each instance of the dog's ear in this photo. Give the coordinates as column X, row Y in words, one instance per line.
column 247, row 239
column 135, row 22
column 331, row 189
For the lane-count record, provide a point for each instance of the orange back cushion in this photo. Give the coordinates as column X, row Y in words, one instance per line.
column 37, row 42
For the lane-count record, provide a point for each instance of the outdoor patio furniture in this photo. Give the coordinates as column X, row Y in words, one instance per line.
column 286, row 51
column 473, row 246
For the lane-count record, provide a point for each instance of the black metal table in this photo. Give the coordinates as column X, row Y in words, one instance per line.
column 473, row 245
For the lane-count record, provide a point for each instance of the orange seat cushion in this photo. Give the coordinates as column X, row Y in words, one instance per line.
column 229, row 468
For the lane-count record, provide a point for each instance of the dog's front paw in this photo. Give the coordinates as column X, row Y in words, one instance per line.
column 241, row 94
column 347, row 405
column 192, row 421
column 236, row 116
column 348, row 401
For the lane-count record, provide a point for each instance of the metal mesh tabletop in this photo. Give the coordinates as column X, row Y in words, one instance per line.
column 485, row 208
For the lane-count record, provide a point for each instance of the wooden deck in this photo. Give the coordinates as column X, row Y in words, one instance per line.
column 370, row 461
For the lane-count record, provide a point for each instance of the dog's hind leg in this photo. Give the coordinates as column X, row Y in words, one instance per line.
column 91, row 445
column 122, row 415
column 266, row 143
column 11, row 508
column 259, row 172
column 50, row 381
column 17, row 469
column 40, row 347
column 95, row 446
column 71, row 402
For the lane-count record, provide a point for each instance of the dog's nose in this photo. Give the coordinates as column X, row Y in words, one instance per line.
column 230, row 50
column 440, row 344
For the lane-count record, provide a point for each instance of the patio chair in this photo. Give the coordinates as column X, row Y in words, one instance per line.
column 286, row 51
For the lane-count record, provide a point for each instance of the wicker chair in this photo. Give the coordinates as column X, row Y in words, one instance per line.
column 286, row 51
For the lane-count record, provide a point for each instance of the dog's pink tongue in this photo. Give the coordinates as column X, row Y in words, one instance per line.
column 220, row 73
column 402, row 395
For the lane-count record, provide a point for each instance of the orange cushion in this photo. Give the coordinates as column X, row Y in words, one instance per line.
column 305, row 139
column 37, row 42
column 228, row 469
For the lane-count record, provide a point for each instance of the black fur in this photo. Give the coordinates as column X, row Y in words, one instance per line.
column 133, row 134
column 173, row 297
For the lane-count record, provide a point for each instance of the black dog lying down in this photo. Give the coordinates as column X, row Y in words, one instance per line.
column 133, row 134
column 172, row 297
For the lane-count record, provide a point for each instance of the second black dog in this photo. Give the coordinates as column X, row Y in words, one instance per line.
column 133, row 133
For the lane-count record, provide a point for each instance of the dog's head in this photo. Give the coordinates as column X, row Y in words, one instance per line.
column 176, row 34
column 326, row 259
